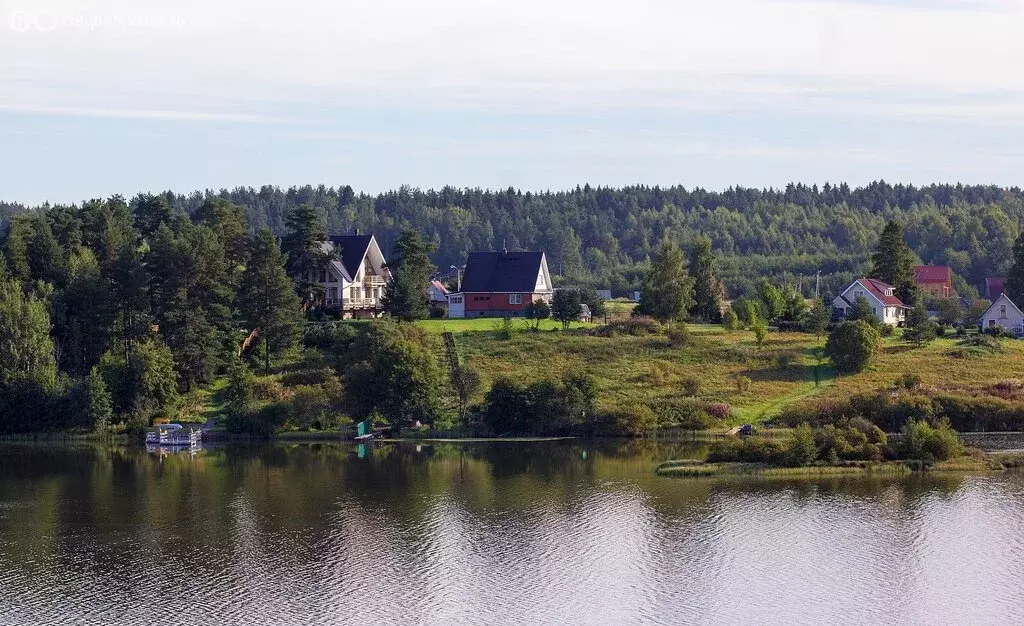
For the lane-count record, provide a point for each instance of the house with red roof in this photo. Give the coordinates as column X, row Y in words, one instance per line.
column 994, row 287
column 437, row 294
column 935, row 279
column 881, row 296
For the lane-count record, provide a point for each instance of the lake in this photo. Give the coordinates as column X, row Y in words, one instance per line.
column 548, row 532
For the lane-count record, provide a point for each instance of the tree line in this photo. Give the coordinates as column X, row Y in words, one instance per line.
column 605, row 237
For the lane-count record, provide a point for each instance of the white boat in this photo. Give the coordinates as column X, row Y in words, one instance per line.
column 174, row 435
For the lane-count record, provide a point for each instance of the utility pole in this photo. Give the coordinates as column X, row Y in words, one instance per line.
column 458, row 274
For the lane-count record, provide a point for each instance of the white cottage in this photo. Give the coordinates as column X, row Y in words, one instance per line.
column 881, row 296
column 1004, row 314
column 353, row 282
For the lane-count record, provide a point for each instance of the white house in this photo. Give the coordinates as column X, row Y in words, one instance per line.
column 353, row 281
column 884, row 304
column 1004, row 314
column 437, row 294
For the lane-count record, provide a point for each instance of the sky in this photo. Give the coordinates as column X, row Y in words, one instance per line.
column 109, row 96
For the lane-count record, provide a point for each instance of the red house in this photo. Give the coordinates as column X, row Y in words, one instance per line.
column 994, row 287
column 499, row 284
column 935, row 279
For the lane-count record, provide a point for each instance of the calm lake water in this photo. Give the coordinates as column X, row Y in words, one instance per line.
column 491, row 533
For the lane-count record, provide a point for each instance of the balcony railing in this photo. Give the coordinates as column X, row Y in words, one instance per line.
column 360, row 303
column 374, row 280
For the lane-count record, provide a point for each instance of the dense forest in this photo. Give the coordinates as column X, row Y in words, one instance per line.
column 604, row 237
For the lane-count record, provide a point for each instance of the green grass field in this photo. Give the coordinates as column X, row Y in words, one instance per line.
column 758, row 383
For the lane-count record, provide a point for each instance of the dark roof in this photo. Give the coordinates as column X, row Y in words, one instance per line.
column 350, row 249
column 502, row 273
column 932, row 274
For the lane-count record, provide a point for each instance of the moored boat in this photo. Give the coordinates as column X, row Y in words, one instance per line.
column 173, row 435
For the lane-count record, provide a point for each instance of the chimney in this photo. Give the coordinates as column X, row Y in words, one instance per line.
column 355, row 231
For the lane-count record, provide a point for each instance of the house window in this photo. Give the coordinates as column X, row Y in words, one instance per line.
column 323, row 276
column 353, row 293
column 858, row 294
column 456, row 299
column 1002, row 310
column 515, row 298
column 333, row 294
column 874, row 311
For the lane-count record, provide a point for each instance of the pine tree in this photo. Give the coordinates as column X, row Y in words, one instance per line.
column 45, row 258
column 1014, row 286
column 83, row 314
column 150, row 212
column 411, row 268
column 306, row 231
column 707, row 289
column 667, row 292
column 266, row 297
column 816, row 319
column 130, row 280
column 228, row 220
column 919, row 329
column 191, row 297
column 15, row 247
column 893, row 262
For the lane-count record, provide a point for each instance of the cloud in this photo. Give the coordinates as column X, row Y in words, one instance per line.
column 572, row 54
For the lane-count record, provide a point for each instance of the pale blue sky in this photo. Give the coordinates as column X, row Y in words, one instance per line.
column 101, row 97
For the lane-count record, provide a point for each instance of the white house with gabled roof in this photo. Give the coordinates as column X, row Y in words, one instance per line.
column 353, row 281
column 1003, row 314
column 881, row 296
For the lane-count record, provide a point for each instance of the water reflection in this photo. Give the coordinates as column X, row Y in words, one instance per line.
column 491, row 533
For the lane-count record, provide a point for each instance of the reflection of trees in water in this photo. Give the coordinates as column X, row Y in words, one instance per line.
column 104, row 512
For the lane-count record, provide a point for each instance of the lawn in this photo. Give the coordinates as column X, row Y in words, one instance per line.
column 477, row 324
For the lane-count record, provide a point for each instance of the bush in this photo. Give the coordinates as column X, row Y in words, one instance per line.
column 787, row 359
column 688, row 414
column 691, row 387
column 729, row 320
column 717, row 410
column 633, row 326
column 927, row 443
column 852, row 345
column 437, row 312
column 742, row 383
column 627, row 421
column 679, row 336
column 908, row 381
column 328, row 337
column 747, row 450
column 802, row 449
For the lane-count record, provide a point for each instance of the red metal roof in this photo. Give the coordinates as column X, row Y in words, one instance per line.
column 932, row 274
column 878, row 289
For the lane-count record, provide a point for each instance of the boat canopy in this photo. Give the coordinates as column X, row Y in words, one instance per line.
column 169, row 426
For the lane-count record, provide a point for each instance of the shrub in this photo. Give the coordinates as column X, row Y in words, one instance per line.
column 787, row 359
column 729, row 320
column 679, row 336
column 852, row 345
column 717, row 410
column 691, row 386
column 626, row 421
column 329, row 337
column 437, row 312
column 633, row 326
column 747, row 450
column 802, row 449
column 742, row 383
column 908, row 381
column 927, row 443
column 688, row 414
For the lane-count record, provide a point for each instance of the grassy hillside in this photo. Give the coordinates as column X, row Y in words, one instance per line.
column 656, row 370
column 652, row 370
